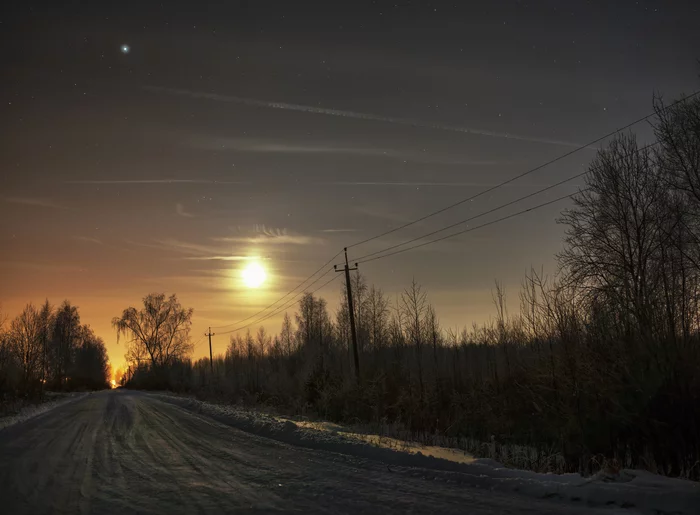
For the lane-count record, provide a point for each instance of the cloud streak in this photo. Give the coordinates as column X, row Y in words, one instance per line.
column 254, row 145
column 180, row 210
column 218, row 258
column 34, row 202
column 87, row 239
column 154, row 181
column 356, row 115
column 274, row 236
column 405, row 184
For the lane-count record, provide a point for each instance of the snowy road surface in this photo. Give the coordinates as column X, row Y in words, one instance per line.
column 128, row 452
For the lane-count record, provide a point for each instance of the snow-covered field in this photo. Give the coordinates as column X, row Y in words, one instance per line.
column 637, row 490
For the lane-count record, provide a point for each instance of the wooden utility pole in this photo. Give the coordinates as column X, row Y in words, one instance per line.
column 353, row 333
column 211, row 357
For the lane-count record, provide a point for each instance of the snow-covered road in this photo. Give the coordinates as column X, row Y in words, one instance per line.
column 129, row 452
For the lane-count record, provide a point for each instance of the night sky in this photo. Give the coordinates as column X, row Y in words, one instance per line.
column 152, row 146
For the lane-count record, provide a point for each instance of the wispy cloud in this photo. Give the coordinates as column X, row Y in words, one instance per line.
column 286, row 239
column 87, row 239
column 228, row 248
column 186, row 247
column 357, row 115
column 274, row 236
column 42, row 267
column 406, row 183
column 218, row 258
column 34, row 202
column 180, row 210
column 262, row 146
column 274, row 147
column 154, row 181
column 178, row 246
column 193, row 251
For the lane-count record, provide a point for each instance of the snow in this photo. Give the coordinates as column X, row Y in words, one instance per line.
column 34, row 410
column 640, row 491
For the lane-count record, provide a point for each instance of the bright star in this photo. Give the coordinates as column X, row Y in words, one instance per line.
column 125, row 49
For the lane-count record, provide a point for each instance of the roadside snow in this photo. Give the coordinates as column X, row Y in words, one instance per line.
column 34, row 410
column 639, row 490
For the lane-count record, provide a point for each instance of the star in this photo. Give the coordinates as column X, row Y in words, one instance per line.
column 125, row 49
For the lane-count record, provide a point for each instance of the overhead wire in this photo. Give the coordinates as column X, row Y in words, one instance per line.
column 282, row 297
column 286, row 305
column 374, row 255
column 452, row 235
column 363, row 259
column 515, row 178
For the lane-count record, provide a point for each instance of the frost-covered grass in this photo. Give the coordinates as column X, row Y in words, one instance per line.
column 457, row 449
column 643, row 491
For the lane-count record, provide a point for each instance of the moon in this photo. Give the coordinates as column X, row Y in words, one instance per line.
column 125, row 49
column 254, row 275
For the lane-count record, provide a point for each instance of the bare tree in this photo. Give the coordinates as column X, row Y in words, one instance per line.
column 287, row 335
column 306, row 319
column 434, row 336
column 26, row 343
column 46, row 314
column 378, row 317
column 313, row 323
column 7, row 360
column 66, row 328
column 161, row 328
column 413, row 306
column 360, row 302
column 91, row 366
column 263, row 341
column 678, row 131
column 614, row 232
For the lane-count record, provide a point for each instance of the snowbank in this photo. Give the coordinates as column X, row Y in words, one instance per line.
column 34, row 410
column 639, row 490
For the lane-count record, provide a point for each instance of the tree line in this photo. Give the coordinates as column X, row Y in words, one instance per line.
column 600, row 364
column 47, row 348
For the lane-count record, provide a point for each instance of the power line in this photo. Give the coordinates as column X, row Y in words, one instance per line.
column 363, row 259
column 513, row 215
column 282, row 297
column 515, row 178
column 284, row 306
column 287, row 304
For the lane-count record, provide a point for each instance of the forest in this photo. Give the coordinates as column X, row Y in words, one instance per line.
column 46, row 348
column 598, row 368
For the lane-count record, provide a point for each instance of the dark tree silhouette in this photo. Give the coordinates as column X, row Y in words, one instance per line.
column 159, row 331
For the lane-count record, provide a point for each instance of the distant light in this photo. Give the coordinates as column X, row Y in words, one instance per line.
column 125, row 49
column 253, row 275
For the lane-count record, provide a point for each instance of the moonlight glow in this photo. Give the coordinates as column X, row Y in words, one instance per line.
column 254, row 275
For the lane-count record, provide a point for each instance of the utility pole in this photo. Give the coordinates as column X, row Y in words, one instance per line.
column 211, row 358
column 353, row 333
